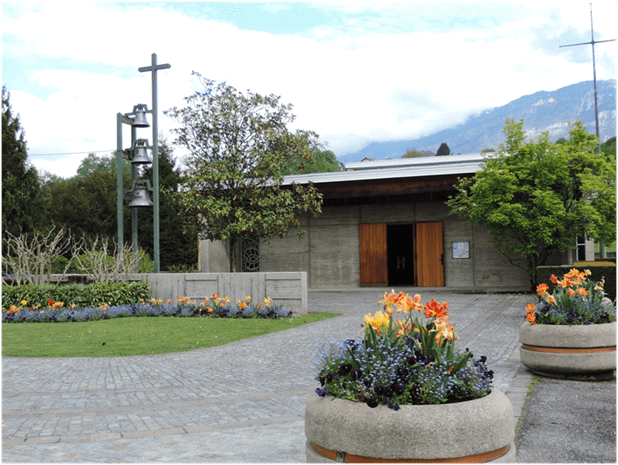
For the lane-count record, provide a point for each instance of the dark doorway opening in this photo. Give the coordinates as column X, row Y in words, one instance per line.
column 400, row 251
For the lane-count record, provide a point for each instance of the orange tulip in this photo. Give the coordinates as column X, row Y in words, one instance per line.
column 541, row 289
column 530, row 307
column 433, row 309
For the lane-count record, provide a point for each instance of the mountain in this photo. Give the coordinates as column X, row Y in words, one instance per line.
column 542, row 111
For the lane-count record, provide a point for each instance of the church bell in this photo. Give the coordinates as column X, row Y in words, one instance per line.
column 140, row 120
column 141, row 197
column 140, row 155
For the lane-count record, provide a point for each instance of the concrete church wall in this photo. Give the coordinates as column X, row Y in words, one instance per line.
column 329, row 250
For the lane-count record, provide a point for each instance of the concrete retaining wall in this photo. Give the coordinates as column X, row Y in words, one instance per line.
column 288, row 288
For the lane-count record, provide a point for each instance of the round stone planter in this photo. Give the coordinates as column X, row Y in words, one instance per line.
column 585, row 352
column 479, row 430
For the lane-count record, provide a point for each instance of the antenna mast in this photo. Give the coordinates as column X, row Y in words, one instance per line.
column 594, row 72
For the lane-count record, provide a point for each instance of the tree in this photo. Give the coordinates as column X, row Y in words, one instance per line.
column 535, row 197
column 239, row 148
column 87, row 205
column 488, row 150
column 443, row 149
column 22, row 200
column 323, row 162
column 413, row 153
column 103, row 163
column 608, row 148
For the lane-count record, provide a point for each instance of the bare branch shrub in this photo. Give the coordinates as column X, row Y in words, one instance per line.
column 107, row 263
column 29, row 258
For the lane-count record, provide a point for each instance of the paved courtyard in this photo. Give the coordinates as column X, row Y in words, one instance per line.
column 243, row 402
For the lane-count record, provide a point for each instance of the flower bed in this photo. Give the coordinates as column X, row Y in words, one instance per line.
column 214, row 307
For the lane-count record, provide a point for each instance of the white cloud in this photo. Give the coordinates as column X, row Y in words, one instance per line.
column 384, row 72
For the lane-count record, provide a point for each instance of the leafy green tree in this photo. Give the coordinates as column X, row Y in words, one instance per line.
column 443, row 149
column 177, row 249
column 239, row 147
column 104, row 163
column 488, row 150
column 22, row 197
column 608, row 148
column 535, row 197
column 324, row 161
column 412, row 153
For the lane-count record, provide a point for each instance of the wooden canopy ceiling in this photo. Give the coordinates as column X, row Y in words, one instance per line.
column 388, row 187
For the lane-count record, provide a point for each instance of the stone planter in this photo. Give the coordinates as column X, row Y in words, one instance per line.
column 586, row 352
column 476, row 431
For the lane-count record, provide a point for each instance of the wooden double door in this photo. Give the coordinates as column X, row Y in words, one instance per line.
column 409, row 254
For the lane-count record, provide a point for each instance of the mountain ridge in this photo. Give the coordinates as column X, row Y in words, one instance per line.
column 542, row 111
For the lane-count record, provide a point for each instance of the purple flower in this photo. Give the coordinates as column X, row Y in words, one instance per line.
column 356, row 374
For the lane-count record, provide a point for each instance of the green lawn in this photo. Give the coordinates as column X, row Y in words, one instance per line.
column 137, row 336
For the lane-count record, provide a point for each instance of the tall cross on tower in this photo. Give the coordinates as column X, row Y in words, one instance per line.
column 154, row 67
column 594, row 71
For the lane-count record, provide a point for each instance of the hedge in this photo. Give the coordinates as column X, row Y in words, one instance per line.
column 600, row 270
column 82, row 295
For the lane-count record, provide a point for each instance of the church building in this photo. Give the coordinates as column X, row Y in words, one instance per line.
column 386, row 224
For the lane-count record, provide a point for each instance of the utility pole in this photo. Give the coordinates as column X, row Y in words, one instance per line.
column 594, row 72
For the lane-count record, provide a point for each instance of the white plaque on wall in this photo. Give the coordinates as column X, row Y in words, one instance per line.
column 461, row 249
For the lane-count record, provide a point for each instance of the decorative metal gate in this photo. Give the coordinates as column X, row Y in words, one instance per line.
column 250, row 254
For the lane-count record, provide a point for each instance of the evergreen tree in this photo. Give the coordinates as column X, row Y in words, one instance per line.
column 22, row 199
column 87, row 205
column 443, row 150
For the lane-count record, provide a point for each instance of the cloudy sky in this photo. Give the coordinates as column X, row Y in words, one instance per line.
column 356, row 72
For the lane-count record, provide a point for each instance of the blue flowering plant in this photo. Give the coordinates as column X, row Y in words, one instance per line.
column 409, row 361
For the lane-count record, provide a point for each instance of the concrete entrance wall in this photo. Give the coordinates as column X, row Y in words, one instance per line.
column 329, row 250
